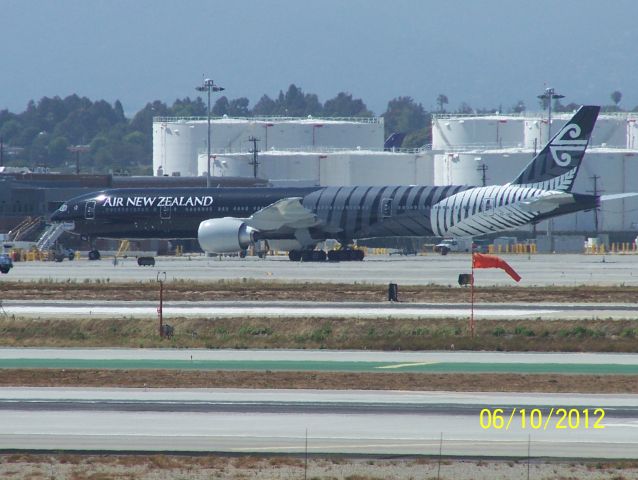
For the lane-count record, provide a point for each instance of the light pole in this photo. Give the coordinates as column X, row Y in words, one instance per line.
column 549, row 95
column 207, row 86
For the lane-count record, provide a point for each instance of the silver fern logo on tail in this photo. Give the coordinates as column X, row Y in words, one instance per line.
column 556, row 165
column 564, row 145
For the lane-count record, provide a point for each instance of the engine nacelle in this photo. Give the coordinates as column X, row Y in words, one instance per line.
column 224, row 235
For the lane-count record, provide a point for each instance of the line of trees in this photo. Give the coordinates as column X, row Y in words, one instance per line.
column 43, row 133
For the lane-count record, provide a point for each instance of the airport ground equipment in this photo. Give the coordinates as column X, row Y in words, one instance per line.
column 6, row 263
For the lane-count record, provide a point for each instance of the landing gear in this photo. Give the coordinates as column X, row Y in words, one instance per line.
column 94, row 255
column 307, row 255
column 346, row 255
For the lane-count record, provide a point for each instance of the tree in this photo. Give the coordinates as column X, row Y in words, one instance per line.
column 464, row 108
column 616, row 96
column 220, row 108
column 238, row 107
column 343, row 105
column 265, row 106
column 58, row 152
column 441, row 100
column 404, row 115
column 519, row 107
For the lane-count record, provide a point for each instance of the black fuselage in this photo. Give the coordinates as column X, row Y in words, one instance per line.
column 346, row 212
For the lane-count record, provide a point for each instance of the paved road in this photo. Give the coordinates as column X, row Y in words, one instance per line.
column 336, row 422
column 382, row 269
column 261, row 309
column 302, row 360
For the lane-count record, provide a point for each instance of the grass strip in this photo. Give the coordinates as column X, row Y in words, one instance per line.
column 468, row 382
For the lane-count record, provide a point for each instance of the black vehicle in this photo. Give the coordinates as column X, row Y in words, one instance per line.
column 229, row 220
column 6, row 263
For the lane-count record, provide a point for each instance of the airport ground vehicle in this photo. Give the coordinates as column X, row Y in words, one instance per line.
column 453, row 245
column 5, row 263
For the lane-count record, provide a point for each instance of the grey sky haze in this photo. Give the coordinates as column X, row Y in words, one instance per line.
column 486, row 53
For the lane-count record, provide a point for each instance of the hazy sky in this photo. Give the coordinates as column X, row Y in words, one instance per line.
column 484, row 52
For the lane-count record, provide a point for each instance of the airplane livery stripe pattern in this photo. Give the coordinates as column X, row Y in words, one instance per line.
column 354, row 212
column 483, row 210
column 562, row 183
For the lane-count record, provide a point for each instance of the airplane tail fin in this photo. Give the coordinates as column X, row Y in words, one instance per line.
column 556, row 165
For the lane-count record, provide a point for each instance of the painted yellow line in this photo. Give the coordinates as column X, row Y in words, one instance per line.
column 403, row 365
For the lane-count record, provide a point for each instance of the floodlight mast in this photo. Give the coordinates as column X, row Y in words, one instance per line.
column 549, row 95
column 208, row 86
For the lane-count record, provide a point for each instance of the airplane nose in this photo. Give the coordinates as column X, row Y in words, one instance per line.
column 59, row 214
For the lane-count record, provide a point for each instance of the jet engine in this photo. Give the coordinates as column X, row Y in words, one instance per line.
column 224, row 235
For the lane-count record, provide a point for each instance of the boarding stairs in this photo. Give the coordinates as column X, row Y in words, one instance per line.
column 50, row 236
column 124, row 247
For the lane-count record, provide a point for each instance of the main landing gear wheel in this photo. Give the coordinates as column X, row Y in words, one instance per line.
column 94, row 255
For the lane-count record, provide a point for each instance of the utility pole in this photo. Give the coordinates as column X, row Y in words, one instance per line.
column 254, row 151
column 483, row 168
column 596, row 192
column 77, row 149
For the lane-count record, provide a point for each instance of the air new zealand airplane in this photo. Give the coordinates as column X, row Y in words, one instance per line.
column 227, row 220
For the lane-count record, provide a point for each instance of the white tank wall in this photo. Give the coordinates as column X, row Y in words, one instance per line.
column 494, row 131
column 632, row 133
column 176, row 144
column 329, row 169
column 377, row 168
column 175, row 149
column 510, row 131
column 272, row 166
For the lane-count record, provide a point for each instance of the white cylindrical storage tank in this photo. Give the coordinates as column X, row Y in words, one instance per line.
column 491, row 131
column 610, row 131
column 176, row 151
column 632, row 133
column 467, row 168
column 175, row 148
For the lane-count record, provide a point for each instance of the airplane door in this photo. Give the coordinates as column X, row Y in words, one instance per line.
column 165, row 212
column 89, row 212
column 386, row 208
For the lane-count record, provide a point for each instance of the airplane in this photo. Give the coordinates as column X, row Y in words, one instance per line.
column 229, row 220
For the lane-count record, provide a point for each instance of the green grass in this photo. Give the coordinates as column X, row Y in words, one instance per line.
column 322, row 333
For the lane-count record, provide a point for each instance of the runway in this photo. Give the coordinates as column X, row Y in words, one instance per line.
column 369, row 422
column 540, row 269
column 321, row 360
column 280, row 309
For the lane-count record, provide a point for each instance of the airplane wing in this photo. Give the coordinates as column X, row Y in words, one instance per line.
column 284, row 213
column 547, row 203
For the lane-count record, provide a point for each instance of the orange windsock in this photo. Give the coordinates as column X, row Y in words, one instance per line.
column 480, row 260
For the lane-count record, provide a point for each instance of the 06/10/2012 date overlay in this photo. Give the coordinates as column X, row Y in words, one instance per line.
column 542, row 419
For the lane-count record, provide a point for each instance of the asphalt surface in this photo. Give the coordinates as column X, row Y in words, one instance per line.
column 539, row 269
column 279, row 309
column 335, row 422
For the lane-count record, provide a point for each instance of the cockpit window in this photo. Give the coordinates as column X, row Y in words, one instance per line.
column 63, row 207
